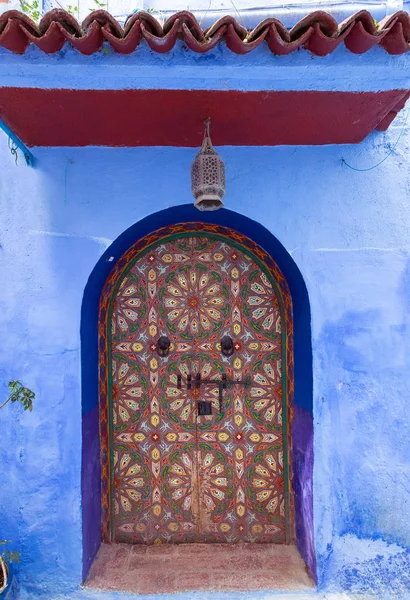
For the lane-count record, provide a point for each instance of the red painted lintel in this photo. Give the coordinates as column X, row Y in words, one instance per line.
column 60, row 117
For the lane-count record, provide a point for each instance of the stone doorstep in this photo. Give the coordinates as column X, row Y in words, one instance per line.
column 169, row 569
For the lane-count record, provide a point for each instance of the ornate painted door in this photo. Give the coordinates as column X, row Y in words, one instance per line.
column 179, row 476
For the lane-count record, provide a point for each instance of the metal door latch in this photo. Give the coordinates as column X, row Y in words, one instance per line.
column 222, row 384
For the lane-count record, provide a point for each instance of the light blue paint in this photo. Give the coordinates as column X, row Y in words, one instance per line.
column 218, row 69
column 349, row 234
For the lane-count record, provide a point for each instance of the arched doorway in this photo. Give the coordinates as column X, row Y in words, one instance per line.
column 196, row 443
column 94, row 473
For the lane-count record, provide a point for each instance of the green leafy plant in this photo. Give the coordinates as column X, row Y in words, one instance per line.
column 99, row 6
column 31, row 9
column 72, row 10
column 8, row 555
column 21, row 394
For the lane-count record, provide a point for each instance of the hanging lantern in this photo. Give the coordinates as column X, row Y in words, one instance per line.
column 208, row 176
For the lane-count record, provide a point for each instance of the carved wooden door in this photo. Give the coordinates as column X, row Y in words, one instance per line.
column 178, row 476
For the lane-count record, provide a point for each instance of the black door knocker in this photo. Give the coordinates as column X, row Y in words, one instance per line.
column 227, row 348
column 163, row 346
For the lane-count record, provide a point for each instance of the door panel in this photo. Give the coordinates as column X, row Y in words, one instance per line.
column 180, row 477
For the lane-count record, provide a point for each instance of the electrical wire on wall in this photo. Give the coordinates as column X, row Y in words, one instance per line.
column 387, row 155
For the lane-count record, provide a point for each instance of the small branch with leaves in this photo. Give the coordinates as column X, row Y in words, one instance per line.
column 21, row 394
column 8, row 555
column 72, row 10
column 32, row 9
column 99, row 5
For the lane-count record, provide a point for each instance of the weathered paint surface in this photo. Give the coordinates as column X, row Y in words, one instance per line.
column 349, row 234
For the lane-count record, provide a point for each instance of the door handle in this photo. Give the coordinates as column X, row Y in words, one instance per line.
column 163, row 346
column 227, row 347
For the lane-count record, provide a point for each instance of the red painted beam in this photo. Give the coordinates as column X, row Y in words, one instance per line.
column 384, row 124
column 175, row 117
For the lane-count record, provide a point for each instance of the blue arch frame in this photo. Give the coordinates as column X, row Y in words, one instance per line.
column 302, row 430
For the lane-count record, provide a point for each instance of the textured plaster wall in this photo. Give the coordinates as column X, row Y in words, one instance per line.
column 218, row 69
column 349, row 235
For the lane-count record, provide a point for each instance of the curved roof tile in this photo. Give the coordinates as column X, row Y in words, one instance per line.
column 317, row 32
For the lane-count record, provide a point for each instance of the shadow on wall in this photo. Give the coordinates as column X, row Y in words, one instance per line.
column 302, row 434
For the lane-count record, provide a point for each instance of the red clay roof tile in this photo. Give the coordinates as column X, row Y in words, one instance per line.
column 317, row 32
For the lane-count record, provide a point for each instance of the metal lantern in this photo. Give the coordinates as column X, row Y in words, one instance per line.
column 208, row 176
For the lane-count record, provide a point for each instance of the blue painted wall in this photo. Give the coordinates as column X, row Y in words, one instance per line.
column 349, row 234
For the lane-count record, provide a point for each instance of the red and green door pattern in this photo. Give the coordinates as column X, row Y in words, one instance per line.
column 197, row 340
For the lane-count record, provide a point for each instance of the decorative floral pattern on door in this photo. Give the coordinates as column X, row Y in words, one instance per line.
column 170, row 475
